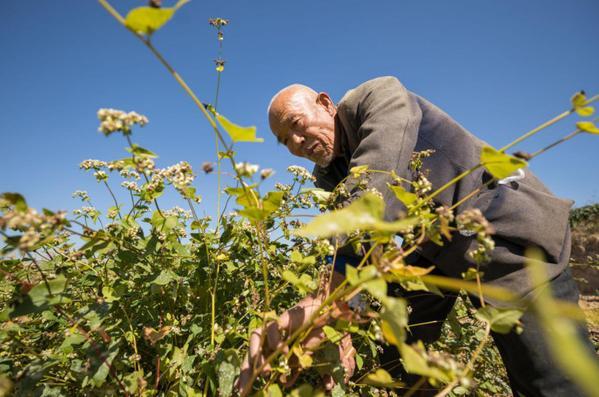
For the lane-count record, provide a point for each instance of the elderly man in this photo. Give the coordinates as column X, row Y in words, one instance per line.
column 380, row 124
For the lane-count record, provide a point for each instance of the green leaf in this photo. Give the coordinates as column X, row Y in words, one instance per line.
column 415, row 363
column 585, row 111
column 15, row 199
column 332, row 334
column 141, row 152
column 561, row 333
column 499, row 164
column 369, row 279
column 402, row 194
column 272, row 201
column 165, row 277
column 162, row 223
column 359, row 170
column 109, row 294
column 147, row 20
column 273, row 391
column 227, row 372
column 321, row 196
column 365, row 213
column 304, row 390
column 40, row 295
column 380, row 378
column 501, row 320
column 587, row 126
column 304, row 283
column 394, row 320
column 237, row 132
column 72, row 338
column 38, row 299
column 103, row 370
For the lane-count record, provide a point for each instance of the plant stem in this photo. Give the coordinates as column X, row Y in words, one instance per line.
column 451, row 182
column 116, row 203
column 537, row 129
column 562, row 140
column 213, row 305
column 545, row 125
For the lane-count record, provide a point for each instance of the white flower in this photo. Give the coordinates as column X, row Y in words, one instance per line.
column 92, row 164
column 180, row 175
column 125, row 173
column 112, row 120
column 130, row 185
column 178, row 212
column 246, row 169
column 300, row 173
column 82, row 194
column 266, row 173
column 100, row 176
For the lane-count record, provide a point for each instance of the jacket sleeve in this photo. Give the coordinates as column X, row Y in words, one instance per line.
column 382, row 121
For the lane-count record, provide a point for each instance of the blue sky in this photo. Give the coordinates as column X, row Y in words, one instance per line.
column 499, row 68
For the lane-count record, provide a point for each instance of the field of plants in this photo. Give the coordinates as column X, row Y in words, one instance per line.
column 141, row 300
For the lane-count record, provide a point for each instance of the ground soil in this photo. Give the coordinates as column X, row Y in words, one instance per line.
column 585, row 269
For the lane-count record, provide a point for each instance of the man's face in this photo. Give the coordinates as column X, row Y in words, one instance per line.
column 306, row 127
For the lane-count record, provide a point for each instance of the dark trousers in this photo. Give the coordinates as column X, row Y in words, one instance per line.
column 531, row 368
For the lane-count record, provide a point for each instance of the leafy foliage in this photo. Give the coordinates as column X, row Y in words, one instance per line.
column 142, row 300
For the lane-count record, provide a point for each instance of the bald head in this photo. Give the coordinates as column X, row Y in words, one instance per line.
column 304, row 121
column 294, row 97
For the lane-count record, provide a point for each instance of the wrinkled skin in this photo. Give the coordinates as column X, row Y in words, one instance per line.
column 304, row 121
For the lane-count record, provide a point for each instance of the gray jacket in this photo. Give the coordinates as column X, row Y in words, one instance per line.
column 380, row 124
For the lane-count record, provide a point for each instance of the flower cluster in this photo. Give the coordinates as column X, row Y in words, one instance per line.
column 100, row 176
column 416, row 160
column 422, row 185
column 156, row 184
column 178, row 212
column 126, row 173
column 218, row 22
column 374, row 191
column 113, row 120
column 471, row 222
column 300, row 173
column 282, row 187
column 34, row 225
column 92, row 164
column 81, row 194
column 324, row 247
column 86, row 211
column 144, row 164
column 180, row 175
column 130, row 185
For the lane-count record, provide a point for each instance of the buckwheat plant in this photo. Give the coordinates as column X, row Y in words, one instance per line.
column 137, row 299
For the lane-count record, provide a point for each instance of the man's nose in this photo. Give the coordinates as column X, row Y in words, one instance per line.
column 297, row 142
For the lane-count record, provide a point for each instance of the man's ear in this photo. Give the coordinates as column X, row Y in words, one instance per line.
column 325, row 100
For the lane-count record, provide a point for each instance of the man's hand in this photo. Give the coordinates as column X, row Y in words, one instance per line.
column 266, row 340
